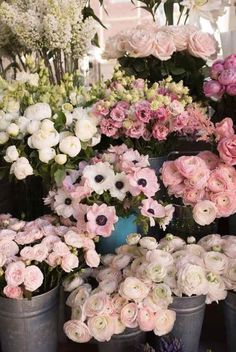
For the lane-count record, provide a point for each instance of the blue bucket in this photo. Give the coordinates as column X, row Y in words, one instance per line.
column 123, row 228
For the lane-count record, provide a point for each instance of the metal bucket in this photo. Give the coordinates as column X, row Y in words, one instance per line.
column 156, row 163
column 29, row 325
column 123, row 342
column 189, row 318
column 230, row 320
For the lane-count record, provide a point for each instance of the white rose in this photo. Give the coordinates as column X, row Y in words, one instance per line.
column 47, row 125
column 71, row 146
column 46, row 154
column 148, row 243
column 164, row 322
column 191, row 280
column 38, row 111
column 61, row 159
column 33, row 126
column 22, row 122
column 85, row 129
column 4, row 137
column 31, row 78
column 44, row 139
column 11, row 154
column 21, row 168
column 13, row 129
column 133, row 238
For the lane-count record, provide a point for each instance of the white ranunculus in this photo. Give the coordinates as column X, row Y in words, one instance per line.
column 161, row 295
column 149, row 243
column 46, row 154
column 22, row 122
column 133, row 238
column 70, row 145
column 44, row 139
column 85, row 129
column 11, row 154
column 133, row 289
column 191, row 280
column 61, row 159
column 33, row 126
column 77, row 331
column 4, row 137
column 216, row 288
column 21, row 168
column 5, row 120
column 230, row 275
column 215, row 262
column 156, row 271
column 13, row 129
column 38, row 111
column 164, row 322
column 13, row 106
column 204, row 212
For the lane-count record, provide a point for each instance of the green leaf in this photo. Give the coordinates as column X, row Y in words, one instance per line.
column 88, row 12
column 95, row 41
column 60, row 120
column 59, row 176
column 177, row 71
column 169, row 11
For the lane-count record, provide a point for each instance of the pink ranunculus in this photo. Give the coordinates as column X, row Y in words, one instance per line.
column 227, row 150
column 161, row 114
column 211, row 159
column 202, row 45
column 33, row 278
column 136, row 130
column 191, row 196
column 92, row 258
column 160, row 132
column 101, row 327
column 121, row 261
column 230, row 61
column 204, row 212
column 213, row 89
column 163, row 46
column 118, row 114
column 139, row 43
column 108, row 127
column 199, row 179
column 217, row 181
column 224, row 129
column 227, row 77
column 143, row 111
column 144, row 181
column 189, row 165
column 77, row 331
column 152, row 209
column 164, row 322
column 129, row 314
column 217, row 68
column 177, row 190
column 231, row 89
column 224, row 202
column 14, row 273
column 13, row 292
column 101, row 219
column 69, row 262
column 170, row 174
column 96, row 304
column 133, row 289
column 74, row 239
column 146, row 319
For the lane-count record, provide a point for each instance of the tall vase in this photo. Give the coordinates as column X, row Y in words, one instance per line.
column 230, row 320
column 124, row 342
column 123, row 228
column 29, row 325
column 189, row 319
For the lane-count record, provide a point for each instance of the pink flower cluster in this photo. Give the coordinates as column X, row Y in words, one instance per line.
column 135, row 286
column 203, row 182
column 117, row 179
column 161, row 42
column 223, row 78
column 26, row 248
column 136, row 112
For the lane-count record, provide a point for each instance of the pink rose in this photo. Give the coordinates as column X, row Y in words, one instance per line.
column 202, row 45
column 8, row 248
column 170, row 174
column 146, row 319
column 15, row 273
column 129, row 314
column 69, row 262
column 163, row 46
column 143, row 111
column 53, row 260
column 13, row 292
column 213, row 89
column 33, row 278
column 230, row 61
column 227, row 77
column 225, row 203
column 139, row 43
column 227, row 150
column 77, row 331
column 160, row 132
column 217, row 68
column 211, row 159
column 180, row 35
column 92, row 259
column 40, row 252
column 231, row 89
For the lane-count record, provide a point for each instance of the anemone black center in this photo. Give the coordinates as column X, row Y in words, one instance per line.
column 142, row 182
column 119, row 184
column 99, row 178
column 68, row 201
column 101, row 220
column 151, row 211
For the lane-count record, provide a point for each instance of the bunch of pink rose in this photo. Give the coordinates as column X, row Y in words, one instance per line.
column 116, row 183
column 161, row 42
column 136, row 286
column 128, row 109
column 34, row 255
column 222, row 78
column 204, row 182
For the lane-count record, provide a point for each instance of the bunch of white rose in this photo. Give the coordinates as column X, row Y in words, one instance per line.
column 136, row 285
column 55, row 138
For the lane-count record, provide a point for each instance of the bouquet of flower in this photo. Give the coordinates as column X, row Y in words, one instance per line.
column 114, row 184
column 34, row 256
column 221, row 87
column 42, row 130
column 136, row 285
column 206, row 181
column 152, row 52
column 142, row 116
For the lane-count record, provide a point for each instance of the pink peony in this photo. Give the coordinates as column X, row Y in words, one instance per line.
column 152, row 209
column 227, row 150
column 163, row 46
column 13, row 292
column 92, row 258
column 33, row 278
column 160, row 132
column 202, row 45
column 217, row 68
column 230, row 61
column 146, row 319
column 143, row 181
column 231, row 89
column 211, row 159
column 227, row 77
column 15, row 273
column 170, row 174
column 129, row 314
column 101, row 219
column 143, row 111
column 213, row 89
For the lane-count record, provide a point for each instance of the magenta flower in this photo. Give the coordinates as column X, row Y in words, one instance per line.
column 101, row 219
column 144, row 181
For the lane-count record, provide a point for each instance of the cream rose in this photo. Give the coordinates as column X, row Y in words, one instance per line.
column 21, row 168
column 11, row 154
column 38, row 111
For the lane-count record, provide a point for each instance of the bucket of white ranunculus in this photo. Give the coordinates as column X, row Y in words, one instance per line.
column 230, row 320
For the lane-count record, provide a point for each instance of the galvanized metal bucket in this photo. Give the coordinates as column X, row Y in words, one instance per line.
column 189, row 318
column 230, row 320
column 124, row 342
column 29, row 325
column 156, row 163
